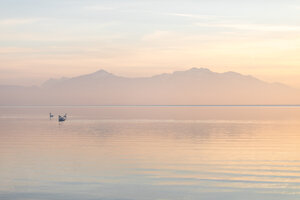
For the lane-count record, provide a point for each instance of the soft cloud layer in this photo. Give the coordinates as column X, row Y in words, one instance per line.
column 98, row 8
column 19, row 21
column 193, row 16
column 253, row 27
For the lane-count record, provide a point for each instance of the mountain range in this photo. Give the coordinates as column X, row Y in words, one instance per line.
column 196, row 86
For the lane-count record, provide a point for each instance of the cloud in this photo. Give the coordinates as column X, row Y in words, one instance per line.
column 253, row 27
column 294, row 7
column 16, row 50
column 17, row 21
column 221, row 23
column 156, row 35
column 194, row 16
column 98, row 8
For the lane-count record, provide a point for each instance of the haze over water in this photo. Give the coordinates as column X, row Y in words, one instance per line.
column 141, row 153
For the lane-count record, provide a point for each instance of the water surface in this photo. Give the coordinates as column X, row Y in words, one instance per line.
column 141, row 153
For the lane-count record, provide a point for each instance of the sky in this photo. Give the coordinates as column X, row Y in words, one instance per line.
column 42, row 39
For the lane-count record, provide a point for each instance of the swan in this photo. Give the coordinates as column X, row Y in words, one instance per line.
column 51, row 115
column 61, row 119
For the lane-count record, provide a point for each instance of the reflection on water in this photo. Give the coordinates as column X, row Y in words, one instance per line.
column 150, row 153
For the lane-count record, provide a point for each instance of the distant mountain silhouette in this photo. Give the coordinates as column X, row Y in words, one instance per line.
column 192, row 87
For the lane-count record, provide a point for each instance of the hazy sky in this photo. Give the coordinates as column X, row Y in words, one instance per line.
column 40, row 39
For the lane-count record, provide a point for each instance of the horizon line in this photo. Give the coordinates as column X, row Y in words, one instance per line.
column 203, row 105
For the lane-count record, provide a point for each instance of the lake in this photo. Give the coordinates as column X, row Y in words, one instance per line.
column 150, row 153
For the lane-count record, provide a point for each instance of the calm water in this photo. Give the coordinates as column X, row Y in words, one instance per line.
column 141, row 153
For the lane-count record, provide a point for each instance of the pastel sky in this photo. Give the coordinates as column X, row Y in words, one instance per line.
column 42, row 39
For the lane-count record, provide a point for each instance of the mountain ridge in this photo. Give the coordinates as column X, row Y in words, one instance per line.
column 103, row 73
column 195, row 86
